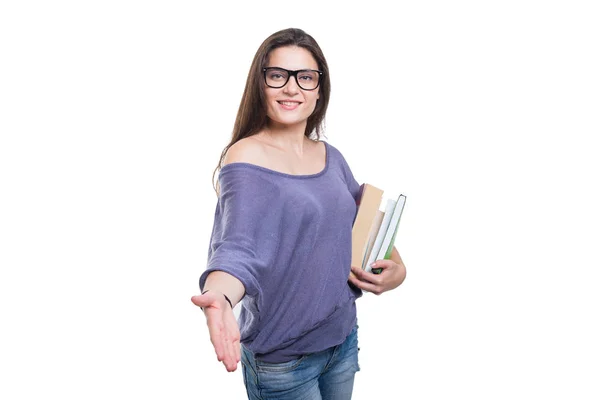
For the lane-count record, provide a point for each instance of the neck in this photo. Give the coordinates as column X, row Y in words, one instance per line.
column 286, row 136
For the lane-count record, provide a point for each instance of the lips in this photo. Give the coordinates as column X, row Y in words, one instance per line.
column 289, row 105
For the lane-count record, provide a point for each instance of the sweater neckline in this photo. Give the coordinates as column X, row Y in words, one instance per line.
column 272, row 171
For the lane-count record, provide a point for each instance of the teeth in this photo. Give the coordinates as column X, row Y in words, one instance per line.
column 288, row 103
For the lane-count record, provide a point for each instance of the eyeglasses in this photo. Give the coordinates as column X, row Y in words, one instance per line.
column 307, row 79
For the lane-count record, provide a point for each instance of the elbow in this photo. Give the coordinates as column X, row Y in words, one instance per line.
column 402, row 274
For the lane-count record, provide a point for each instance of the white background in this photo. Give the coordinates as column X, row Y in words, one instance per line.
column 113, row 115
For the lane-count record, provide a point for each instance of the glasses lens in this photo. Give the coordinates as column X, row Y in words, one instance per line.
column 276, row 77
column 308, row 80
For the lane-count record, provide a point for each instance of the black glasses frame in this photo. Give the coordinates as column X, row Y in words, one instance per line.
column 294, row 74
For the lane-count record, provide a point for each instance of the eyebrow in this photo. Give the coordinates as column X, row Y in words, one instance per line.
column 295, row 70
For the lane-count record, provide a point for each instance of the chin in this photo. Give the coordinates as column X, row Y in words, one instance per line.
column 288, row 121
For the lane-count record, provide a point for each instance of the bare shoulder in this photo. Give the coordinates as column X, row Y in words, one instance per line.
column 247, row 150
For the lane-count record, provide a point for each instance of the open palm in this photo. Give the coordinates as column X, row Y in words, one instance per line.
column 222, row 327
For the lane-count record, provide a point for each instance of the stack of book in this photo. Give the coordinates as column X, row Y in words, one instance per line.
column 374, row 229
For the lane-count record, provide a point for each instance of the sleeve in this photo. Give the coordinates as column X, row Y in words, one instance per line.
column 246, row 210
column 353, row 185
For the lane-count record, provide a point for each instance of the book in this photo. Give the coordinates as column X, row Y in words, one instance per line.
column 373, row 235
column 389, row 209
column 385, row 248
column 374, row 230
column 368, row 201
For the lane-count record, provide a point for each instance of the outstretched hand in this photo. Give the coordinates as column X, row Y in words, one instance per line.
column 391, row 276
column 222, row 327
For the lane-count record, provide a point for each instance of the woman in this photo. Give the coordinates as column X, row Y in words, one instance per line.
column 282, row 236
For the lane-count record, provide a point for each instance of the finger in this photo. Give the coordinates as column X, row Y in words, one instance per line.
column 369, row 287
column 380, row 267
column 230, row 364
column 237, row 346
column 235, row 339
column 354, row 280
column 234, row 354
column 366, row 276
column 237, row 350
column 216, row 334
column 383, row 264
column 232, row 360
column 354, row 275
column 218, row 344
column 198, row 300
column 231, row 335
column 351, row 275
column 356, row 272
column 201, row 300
column 226, row 357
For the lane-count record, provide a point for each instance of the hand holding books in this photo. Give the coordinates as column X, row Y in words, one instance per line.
column 392, row 275
column 374, row 231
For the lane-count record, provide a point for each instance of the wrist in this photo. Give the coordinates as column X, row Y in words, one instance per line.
column 224, row 295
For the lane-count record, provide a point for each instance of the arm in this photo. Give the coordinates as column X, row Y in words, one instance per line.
column 233, row 267
column 392, row 275
column 222, row 282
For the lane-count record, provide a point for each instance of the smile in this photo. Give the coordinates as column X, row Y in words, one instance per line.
column 289, row 105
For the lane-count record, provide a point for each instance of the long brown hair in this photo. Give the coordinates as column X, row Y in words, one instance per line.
column 252, row 114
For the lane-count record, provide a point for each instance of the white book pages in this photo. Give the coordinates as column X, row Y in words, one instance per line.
column 387, row 217
column 372, row 235
column 389, row 235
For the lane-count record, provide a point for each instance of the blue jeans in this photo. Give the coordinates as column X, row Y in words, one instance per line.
column 326, row 375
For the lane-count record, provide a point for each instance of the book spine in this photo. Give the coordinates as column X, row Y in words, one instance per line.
column 390, row 236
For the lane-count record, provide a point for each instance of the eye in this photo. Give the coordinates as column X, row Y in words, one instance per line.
column 277, row 75
column 307, row 76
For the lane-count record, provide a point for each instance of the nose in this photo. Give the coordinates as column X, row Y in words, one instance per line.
column 291, row 87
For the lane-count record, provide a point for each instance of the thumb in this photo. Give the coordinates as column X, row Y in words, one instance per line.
column 381, row 264
column 201, row 300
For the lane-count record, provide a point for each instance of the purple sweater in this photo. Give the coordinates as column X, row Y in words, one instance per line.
column 287, row 238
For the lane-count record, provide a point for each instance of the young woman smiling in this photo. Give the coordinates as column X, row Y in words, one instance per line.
column 281, row 240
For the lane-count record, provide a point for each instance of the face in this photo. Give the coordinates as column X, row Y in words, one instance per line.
column 290, row 105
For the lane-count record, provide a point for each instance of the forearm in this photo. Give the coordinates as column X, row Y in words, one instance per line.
column 229, row 285
column 395, row 257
